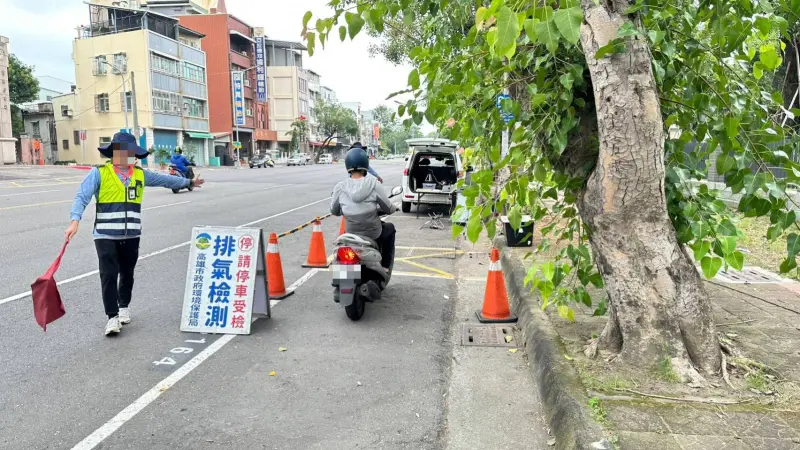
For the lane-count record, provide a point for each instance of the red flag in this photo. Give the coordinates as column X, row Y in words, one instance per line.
column 47, row 304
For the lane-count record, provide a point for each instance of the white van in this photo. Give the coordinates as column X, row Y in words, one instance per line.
column 326, row 158
column 433, row 167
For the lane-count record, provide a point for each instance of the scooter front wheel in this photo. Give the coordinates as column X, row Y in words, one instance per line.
column 356, row 310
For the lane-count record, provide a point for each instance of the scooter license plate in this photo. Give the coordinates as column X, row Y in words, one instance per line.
column 346, row 272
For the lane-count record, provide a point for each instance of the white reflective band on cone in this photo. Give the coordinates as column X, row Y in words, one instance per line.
column 495, row 266
column 317, row 228
column 272, row 248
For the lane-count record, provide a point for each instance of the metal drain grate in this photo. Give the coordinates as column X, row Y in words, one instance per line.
column 754, row 275
column 487, row 335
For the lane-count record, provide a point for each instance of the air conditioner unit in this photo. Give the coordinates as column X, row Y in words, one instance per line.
column 249, row 112
column 247, row 82
column 244, row 52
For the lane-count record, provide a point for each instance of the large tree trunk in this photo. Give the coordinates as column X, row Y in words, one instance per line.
column 657, row 305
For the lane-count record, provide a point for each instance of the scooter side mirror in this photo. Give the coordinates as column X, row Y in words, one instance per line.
column 397, row 190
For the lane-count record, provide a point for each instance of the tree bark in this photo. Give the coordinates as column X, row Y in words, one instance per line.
column 657, row 305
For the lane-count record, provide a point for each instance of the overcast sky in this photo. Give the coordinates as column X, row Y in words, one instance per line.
column 41, row 33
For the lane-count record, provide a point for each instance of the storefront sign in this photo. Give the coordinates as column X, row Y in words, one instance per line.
column 261, row 71
column 238, row 98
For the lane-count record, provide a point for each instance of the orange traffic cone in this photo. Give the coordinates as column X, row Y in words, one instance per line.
column 495, row 299
column 277, row 287
column 342, row 227
column 317, row 257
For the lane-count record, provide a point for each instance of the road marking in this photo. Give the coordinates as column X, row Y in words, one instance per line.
column 22, row 186
column 164, row 206
column 432, row 255
column 431, row 249
column 276, row 187
column 158, row 252
column 108, row 428
column 428, row 268
column 35, row 204
column 26, row 193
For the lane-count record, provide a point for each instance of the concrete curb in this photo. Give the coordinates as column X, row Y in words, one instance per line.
column 560, row 389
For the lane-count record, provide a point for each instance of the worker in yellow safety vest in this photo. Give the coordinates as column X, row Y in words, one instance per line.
column 118, row 188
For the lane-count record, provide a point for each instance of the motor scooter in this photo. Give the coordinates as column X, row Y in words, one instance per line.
column 358, row 276
column 174, row 171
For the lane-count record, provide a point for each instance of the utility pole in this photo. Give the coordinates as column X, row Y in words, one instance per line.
column 135, row 109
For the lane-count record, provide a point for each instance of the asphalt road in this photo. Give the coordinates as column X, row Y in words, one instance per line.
column 378, row 383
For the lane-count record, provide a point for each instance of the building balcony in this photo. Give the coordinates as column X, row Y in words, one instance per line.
column 193, row 55
column 241, row 60
column 163, row 44
column 195, row 124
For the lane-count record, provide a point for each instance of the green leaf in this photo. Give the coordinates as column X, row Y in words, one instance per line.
column 615, row 46
column 710, row 266
column 474, row 227
column 311, row 41
column 530, row 30
column 735, row 260
column 758, row 70
column 568, row 22
column 763, row 25
column 548, row 270
column 584, row 297
column 480, row 16
column 538, row 99
column 515, row 217
column 732, row 126
column 627, row 30
column 413, row 79
column 700, row 249
column 546, row 289
column 306, row 18
column 788, row 264
column 547, row 33
column 727, row 245
column 774, row 232
column 376, row 19
column 726, row 228
column 563, row 311
column 566, row 80
column 354, row 23
column 725, row 163
column 792, row 244
column 507, row 32
column 769, row 57
column 342, row 32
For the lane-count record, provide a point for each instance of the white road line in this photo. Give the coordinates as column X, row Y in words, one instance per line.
column 108, row 428
column 27, row 193
column 164, row 206
column 276, row 187
column 158, row 252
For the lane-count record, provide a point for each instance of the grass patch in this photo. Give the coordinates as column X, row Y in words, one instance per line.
column 756, row 380
column 760, row 251
column 607, row 383
column 665, row 371
column 598, row 413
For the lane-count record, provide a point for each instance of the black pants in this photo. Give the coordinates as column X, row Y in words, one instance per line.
column 386, row 243
column 117, row 262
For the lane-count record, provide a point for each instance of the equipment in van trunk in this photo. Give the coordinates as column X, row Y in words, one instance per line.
column 432, row 171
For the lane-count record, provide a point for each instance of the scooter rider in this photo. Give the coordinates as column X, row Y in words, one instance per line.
column 370, row 170
column 359, row 199
column 182, row 163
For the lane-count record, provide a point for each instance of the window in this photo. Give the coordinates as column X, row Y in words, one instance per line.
column 162, row 64
column 49, row 98
column 105, row 141
column 166, row 102
column 65, row 111
column 65, row 144
column 101, row 103
column 76, row 137
column 248, row 106
column 194, row 108
column 126, row 101
column 194, row 73
column 100, row 65
column 303, row 85
column 37, row 130
column 303, row 107
column 120, row 63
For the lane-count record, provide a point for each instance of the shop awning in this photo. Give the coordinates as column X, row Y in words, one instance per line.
column 199, row 135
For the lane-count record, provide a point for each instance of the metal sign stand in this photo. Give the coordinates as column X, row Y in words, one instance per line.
column 261, row 303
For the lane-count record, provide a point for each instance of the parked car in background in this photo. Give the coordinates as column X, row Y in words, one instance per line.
column 326, row 158
column 297, row 159
column 260, row 161
column 433, row 166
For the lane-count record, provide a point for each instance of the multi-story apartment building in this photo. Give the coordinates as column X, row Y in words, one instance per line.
column 8, row 153
column 119, row 48
column 230, row 50
column 288, row 86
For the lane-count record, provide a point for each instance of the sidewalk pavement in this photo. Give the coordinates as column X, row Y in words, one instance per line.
column 762, row 321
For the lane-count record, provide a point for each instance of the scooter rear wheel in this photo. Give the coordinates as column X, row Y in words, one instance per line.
column 356, row 310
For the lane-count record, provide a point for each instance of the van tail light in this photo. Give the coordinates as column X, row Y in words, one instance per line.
column 347, row 256
column 461, row 174
column 405, row 172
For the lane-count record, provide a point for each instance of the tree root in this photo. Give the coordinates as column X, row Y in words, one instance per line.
column 710, row 401
column 725, row 371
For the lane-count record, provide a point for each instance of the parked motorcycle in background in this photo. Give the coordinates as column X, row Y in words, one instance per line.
column 358, row 276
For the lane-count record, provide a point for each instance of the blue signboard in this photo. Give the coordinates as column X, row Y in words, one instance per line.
column 261, row 71
column 238, row 98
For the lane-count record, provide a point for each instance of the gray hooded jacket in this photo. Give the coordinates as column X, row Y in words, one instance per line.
column 359, row 201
